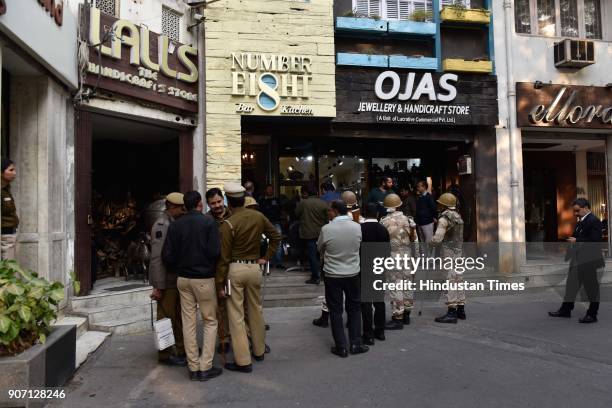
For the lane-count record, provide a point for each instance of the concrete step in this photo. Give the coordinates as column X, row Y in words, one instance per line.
column 291, row 300
column 118, row 311
column 283, row 288
column 127, row 297
column 79, row 321
column 124, row 326
column 87, row 344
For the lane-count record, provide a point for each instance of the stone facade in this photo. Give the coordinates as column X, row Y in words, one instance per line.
column 266, row 27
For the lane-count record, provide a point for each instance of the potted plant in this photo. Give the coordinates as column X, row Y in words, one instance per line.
column 421, row 16
column 357, row 21
column 459, row 13
column 31, row 349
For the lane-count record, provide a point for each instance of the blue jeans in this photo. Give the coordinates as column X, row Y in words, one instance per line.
column 313, row 258
column 278, row 256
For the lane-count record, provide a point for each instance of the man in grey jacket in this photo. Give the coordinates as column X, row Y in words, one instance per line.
column 163, row 281
column 339, row 244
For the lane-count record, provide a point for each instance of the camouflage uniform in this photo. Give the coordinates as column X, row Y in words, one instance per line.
column 449, row 234
column 399, row 227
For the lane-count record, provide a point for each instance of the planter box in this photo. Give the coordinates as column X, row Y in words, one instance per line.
column 457, row 15
column 358, row 24
column 459, row 65
column 362, row 60
column 412, row 28
column 44, row 365
column 400, row 61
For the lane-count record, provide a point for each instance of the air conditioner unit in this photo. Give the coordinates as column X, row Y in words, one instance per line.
column 574, row 53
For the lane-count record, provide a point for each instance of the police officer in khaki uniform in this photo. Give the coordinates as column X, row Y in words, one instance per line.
column 163, row 281
column 449, row 235
column 239, row 269
column 10, row 221
column 219, row 212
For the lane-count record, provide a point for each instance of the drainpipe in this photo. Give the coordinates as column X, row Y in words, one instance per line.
column 513, row 133
column 201, row 129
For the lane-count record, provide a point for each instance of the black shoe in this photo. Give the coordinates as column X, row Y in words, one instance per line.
column 322, row 321
column 406, row 318
column 224, row 347
column 194, row 375
column 394, row 324
column 174, row 361
column 359, row 349
column 368, row 340
column 588, row 319
column 313, row 281
column 267, row 349
column 209, row 374
column 240, row 369
column 339, row 351
column 449, row 317
column 461, row 312
column 560, row 313
column 380, row 336
column 259, row 358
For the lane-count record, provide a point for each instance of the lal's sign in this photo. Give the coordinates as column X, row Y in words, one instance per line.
column 133, row 61
column 272, row 83
column 406, row 97
column 564, row 106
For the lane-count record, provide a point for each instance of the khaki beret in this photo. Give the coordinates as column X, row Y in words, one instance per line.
column 175, row 198
column 249, row 201
column 233, row 189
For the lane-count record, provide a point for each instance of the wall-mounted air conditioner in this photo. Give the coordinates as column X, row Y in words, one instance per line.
column 574, row 53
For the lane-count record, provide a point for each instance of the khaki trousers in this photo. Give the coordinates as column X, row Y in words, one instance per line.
column 7, row 243
column 223, row 331
column 198, row 292
column 170, row 306
column 245, row 282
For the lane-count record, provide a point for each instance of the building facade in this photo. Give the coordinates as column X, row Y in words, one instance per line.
column 39, row 77
column 555, row 99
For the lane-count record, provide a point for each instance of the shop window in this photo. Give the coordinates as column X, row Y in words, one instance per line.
column 171, row 24
column 343, row 173
column 108, row 6
column 560, row 18
column 393, row 9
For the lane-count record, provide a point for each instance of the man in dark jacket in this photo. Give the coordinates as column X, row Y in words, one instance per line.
column 270, row 206
column 372, row 231
column 312, row 213
column 585, row 258
column 191, row 249
column 426, row 212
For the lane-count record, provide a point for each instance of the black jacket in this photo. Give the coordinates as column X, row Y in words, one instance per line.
column 425, row 210
column 192, row 246
column 271, row 208
column 587, row 251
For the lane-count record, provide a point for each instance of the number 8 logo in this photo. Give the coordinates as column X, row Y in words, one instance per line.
column 268, row 98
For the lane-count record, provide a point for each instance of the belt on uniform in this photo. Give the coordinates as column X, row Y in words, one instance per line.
column 8, row 230
column 244, row 261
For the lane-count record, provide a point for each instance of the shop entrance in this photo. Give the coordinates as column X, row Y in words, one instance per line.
column 133, row 166
column 357, row 164
column 556, row 171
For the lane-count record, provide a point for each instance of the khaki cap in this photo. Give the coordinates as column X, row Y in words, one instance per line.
column 175, row 198
column 249, row 201
column 233, row 189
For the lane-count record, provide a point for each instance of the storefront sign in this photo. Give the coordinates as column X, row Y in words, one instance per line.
column 271, row 83
column 47, row 32
column 120, row 60
column 406, row 97
column 563, row 106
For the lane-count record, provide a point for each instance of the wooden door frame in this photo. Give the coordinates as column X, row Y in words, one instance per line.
column 83, row 189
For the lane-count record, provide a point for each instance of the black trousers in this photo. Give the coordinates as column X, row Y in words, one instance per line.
column 378, row 321
column 350, row 289
column 579, row 276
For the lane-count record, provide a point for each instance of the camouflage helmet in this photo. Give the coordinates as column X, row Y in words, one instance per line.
column 349, row 198
column 448, row 200
column 392, row 201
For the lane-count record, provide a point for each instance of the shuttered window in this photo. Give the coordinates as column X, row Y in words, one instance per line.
column 390, row 9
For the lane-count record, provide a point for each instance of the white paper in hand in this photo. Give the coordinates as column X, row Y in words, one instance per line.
column 164, row 336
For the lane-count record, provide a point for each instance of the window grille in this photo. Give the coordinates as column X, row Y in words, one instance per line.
column 171, row 24
column 107, row 6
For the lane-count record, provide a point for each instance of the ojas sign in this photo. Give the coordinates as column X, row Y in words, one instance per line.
column 132, row 60
column 267, row 81
column 564, row 106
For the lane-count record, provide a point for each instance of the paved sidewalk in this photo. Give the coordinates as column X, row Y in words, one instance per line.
column 508, row 353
